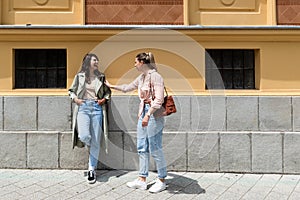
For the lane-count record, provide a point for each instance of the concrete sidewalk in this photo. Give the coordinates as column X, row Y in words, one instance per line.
column 71, row 184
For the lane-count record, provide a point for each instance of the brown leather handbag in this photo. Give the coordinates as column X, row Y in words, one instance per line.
column 169, row 104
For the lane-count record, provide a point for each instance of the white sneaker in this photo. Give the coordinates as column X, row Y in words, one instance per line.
column 137, row 184
column 158, row 186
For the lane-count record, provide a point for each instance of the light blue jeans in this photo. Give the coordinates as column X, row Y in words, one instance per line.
column 89, row 121
column 149, row 141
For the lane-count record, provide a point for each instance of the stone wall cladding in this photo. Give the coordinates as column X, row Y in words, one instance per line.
column 267, row 152
column 236, row 109
column 13, row 150
column 20, row 113
column 175, row 150
column 42, row 150
column 296, row 113
column 291, row 149
column 208, row 113
column 275, row 114
column 235, row 152
column 112, row 155
column 203, row 152
column 193, row 138
column 134, row 12
column 70, row 158
column 1, row 113
column 54, row 113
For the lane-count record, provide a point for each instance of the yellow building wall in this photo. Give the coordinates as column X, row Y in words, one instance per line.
column 7, row 73
column 37, row 12
column 0, row 12
column 195, row 12
column 277, row 61
column 230, row 12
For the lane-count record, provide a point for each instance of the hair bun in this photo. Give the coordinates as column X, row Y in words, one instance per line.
column 147, row 56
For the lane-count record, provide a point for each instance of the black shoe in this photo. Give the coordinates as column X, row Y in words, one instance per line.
column 91, row 176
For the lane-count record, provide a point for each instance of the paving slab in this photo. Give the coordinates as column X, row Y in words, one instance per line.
column 111, row 184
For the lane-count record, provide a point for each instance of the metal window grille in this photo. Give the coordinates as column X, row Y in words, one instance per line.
column 40, row 68
column 230, row 69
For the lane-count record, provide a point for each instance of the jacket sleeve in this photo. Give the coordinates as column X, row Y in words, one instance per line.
column 74, row 87
column 106, row 92
column 129, row 87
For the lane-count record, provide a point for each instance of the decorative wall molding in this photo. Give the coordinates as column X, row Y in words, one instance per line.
column 41, row 2
column 230, row 12
column 42, row 12
column 228, row 2
column 249, row 5
column 25, row 5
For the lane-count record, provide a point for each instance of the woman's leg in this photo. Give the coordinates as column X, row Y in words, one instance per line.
column 96, row 133
column 142, row 149
column 155, row 132
column 83, row 124
column 143, row 152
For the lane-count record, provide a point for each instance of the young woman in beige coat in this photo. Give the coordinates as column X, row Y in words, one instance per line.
column 90, row 94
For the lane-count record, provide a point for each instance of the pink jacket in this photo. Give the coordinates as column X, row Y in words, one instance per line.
column 142, row 83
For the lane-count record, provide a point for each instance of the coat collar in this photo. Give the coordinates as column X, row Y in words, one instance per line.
column 98, row 83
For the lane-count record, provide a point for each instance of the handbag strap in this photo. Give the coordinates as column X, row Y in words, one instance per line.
column 151, row 93
column 166, row 91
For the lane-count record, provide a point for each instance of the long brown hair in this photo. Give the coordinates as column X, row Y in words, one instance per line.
column 86, row 63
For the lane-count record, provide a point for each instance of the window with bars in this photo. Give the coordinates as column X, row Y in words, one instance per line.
column 40, row 68
column 230, row 69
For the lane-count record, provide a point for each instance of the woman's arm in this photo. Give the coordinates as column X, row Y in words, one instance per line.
column 125, row 87
column 106, row 95
column 73, row 88
column 73, row 91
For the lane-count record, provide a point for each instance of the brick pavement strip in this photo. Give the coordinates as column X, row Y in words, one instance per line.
column 111, row 184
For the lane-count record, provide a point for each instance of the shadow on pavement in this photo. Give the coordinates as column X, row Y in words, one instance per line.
column 105, row 175
column 180, row 184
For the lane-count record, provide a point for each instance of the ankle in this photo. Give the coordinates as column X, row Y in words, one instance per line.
column 142, row 179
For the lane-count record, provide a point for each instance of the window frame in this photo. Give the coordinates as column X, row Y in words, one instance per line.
column 218, row 83
column 57, row 68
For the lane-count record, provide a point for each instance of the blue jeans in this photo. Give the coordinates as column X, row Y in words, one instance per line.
column 89, row 124
column 149, row 141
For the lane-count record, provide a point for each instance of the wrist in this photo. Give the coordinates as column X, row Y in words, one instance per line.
column 148, row 114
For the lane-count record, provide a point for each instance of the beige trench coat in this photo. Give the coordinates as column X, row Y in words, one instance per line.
column 77, row 89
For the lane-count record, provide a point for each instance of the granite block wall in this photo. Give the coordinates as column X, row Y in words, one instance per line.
column 257, row 134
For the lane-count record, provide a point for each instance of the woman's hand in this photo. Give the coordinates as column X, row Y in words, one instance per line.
column 145, row 120
column 101, row 101
column 78, row 101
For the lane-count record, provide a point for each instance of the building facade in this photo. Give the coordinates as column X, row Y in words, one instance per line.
column 232, row 66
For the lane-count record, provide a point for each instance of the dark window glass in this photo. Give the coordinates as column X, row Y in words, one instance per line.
column 229, row 69
column 40, row 68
